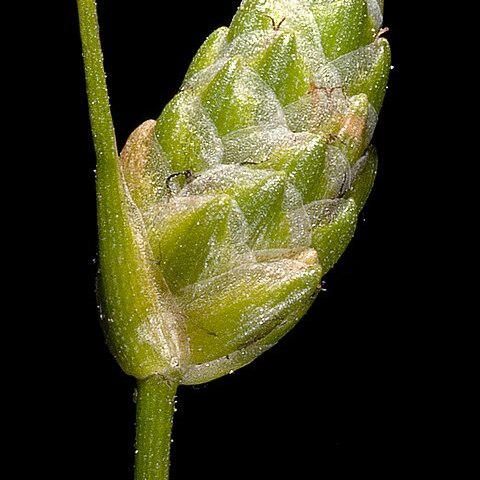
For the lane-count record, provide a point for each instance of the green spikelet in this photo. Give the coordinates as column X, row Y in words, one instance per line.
column 247, row 188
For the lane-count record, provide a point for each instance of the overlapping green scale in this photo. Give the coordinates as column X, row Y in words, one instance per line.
column 250, row 182
column 228, row 312
column 343, row 25
column 283, row 69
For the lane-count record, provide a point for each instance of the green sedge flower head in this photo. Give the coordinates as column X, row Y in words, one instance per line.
column 246, row 189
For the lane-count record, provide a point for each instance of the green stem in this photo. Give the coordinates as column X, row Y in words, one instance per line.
column 155, row 401
column 155, row 407
column 99, row 105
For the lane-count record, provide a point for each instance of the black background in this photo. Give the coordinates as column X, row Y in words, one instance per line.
column 347, row 393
